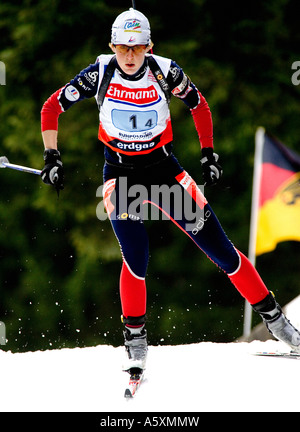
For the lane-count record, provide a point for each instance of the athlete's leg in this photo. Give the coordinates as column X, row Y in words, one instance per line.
column 206, row 231
column 131, row 234
column 210, row 237
column 133, row 239
column 214, row 242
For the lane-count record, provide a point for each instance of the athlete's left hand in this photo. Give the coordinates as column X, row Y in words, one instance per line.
column 212, row 170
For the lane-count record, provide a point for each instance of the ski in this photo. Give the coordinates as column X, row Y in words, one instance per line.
column 289, row 355
column 136, row 377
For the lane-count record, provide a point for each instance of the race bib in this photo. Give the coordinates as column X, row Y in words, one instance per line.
column 134, row 121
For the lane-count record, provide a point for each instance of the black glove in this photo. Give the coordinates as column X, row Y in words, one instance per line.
column 212, row 171
column 53, row 172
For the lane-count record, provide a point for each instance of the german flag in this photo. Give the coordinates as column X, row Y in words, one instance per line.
column 279, row 196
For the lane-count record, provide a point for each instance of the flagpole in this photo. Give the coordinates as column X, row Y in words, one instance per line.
column 258, row 157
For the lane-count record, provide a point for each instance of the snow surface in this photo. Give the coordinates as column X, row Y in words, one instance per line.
column 203, row 377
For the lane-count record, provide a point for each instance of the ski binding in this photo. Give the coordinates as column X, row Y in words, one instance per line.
column 136, row 377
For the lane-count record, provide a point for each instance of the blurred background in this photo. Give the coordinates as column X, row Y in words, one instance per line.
column 59, row 265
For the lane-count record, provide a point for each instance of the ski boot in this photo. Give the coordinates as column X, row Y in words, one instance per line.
column 277, row 323
column 135, row 343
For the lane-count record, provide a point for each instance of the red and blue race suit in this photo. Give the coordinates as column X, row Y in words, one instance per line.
column 135, row 128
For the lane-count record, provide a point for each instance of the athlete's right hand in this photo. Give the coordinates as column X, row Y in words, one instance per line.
column 53, row 172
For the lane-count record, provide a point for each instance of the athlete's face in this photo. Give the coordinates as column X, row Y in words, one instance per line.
column 130, row 58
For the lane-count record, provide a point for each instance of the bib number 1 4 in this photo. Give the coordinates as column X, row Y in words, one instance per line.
column 134, row 121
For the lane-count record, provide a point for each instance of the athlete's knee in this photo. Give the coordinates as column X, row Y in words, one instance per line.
column 136, row 259
column 230, row 260
column 248, row 282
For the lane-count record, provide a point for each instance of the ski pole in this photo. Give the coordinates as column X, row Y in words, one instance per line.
column 4, row 163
